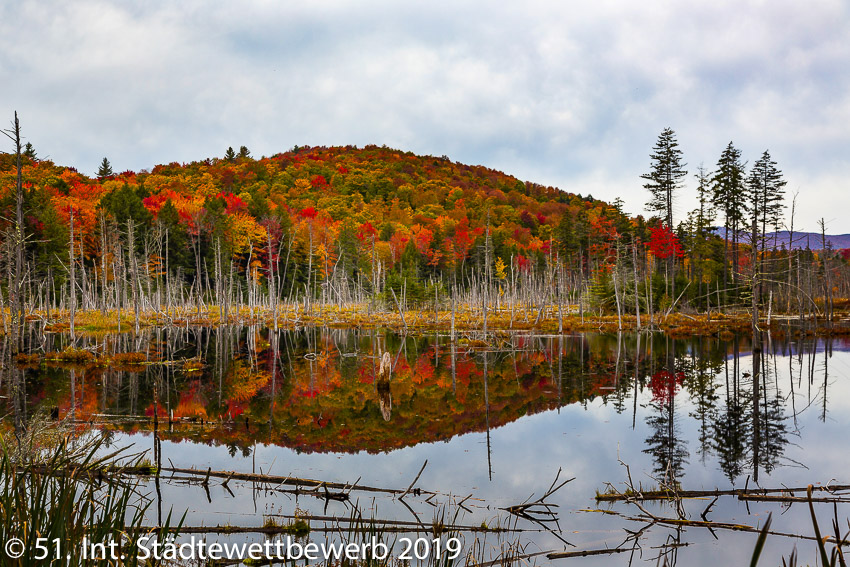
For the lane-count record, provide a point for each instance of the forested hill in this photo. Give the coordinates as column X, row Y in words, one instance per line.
column 812, row 240
column 346, row 225
column 338, row 202
column 798, row 240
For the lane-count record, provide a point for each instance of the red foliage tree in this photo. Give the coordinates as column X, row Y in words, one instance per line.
column 233, row 204
column 308, row 213
column 663, row 242
column 366, row 231
column 523, row 263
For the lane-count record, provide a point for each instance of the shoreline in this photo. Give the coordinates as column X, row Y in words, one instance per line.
column 466, row 321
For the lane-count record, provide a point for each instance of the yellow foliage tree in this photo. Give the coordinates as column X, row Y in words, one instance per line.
column 500, row 268
column 244, row 230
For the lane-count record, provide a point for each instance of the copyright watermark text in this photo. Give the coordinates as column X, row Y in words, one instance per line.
column 194, row 548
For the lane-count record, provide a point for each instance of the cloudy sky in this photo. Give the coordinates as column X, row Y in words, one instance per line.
column 570, row 94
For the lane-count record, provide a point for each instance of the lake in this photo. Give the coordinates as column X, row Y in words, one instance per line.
column 495, row 420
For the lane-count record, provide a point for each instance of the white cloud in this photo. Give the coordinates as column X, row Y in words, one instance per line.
column 557, row 93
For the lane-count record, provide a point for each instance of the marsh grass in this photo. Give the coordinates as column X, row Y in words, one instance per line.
column 826, row 557
column 468, row 318
column 54, row 493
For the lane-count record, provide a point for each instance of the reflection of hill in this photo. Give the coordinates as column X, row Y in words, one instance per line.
column 347, row 418
column 311, row 394
column 324, row 402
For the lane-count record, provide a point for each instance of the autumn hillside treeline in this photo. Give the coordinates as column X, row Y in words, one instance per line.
column 347, row 224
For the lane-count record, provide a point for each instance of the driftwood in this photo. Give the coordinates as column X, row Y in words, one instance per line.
column 677, row 522
column 417, row 491
column 783, row 498
column 282, row 480
column 396, row 523
column 673, row 493
column 587, row 552
column 741, row 493
column 366, row 526
column 540, row 511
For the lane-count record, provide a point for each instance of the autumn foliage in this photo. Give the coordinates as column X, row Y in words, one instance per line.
column 335, row 212
column 663, row 242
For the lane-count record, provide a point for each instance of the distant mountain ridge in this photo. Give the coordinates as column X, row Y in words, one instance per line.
column 801, row 239
column 812, row 240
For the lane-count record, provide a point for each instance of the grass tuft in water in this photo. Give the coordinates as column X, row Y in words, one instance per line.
column 53, row 493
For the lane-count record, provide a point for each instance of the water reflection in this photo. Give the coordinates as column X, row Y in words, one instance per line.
column 345, row 391
column 508, row 414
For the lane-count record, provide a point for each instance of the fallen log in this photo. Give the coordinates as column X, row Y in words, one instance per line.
column 739, row 492
column 587, row 552
column 286, row 480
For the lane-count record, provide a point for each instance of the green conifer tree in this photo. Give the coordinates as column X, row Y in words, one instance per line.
column 729, row 196
column 665, row 175
column 767, row 191
column 105, row 169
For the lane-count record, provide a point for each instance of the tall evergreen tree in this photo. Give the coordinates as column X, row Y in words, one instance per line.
column 29, row 151
column 105, row 169
column 665, row 176
column 767, row 191
column 705, row 214
column 230, row 155
column 729, row 196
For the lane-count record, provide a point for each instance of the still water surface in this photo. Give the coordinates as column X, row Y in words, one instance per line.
column 495, row 421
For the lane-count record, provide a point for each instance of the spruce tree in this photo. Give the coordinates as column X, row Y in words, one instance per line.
column 105, row 169
column 729, row 196
column 29, row 151
column 230, row 155
column 665, row 176
column 767, row 191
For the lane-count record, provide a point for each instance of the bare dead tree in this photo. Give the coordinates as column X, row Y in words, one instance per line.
column 73, row 281
column 16, row 301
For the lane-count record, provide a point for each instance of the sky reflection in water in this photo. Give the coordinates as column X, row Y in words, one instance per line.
column 572, row 403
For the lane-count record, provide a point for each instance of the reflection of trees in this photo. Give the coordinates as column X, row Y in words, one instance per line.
column 768, row 417
column 315, row 390
column 731, row 432
column 751, row 428
column 665, row 444
column 773, row 433
column 700, row 372
column 621, row 387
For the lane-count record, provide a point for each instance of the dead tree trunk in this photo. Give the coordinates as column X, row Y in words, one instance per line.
column 134, row 272
column 103, row 260
column 15, row 299
column 635, row 274
column 827, row 275
column 71, row 262
column 271, row 275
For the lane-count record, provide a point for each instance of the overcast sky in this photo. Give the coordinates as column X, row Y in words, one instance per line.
column 570, row 94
